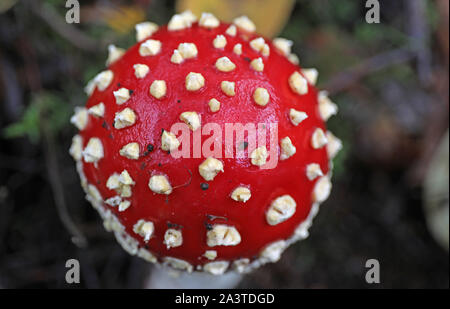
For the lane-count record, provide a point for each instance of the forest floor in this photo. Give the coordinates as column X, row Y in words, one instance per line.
column 389, row 81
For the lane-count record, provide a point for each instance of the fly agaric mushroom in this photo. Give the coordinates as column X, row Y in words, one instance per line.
column 204, row 213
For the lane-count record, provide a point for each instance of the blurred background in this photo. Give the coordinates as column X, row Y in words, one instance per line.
column 390, row 196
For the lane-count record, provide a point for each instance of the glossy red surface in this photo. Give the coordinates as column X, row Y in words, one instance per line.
column 188, row 205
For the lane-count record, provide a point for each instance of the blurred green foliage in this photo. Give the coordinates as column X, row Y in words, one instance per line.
column 44, row 106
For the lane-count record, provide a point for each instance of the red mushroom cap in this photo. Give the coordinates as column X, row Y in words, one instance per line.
column 205, row 212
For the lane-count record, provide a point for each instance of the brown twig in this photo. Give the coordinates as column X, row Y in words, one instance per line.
column 67, row 31
column 344, row 80
column 13, row 102
column 418, row 32
column 34, row 80
column 438, row 119
column 57, row 186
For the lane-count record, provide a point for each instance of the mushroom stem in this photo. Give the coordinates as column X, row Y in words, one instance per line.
column 165, row 278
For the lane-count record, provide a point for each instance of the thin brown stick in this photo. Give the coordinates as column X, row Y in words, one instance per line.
column 418, row 31
column 344, row 80
column 57, row 187
column 67, row 31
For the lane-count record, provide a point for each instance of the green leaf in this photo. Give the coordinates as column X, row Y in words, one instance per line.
column 28, row 125
column 44, row 106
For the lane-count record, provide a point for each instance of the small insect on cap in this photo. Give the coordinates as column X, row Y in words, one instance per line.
column 206, row 211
